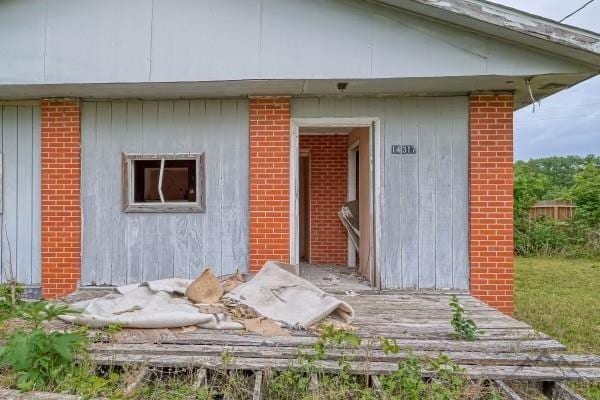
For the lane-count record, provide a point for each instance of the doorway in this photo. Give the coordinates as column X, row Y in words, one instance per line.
column 333, row 182
column 304, row 206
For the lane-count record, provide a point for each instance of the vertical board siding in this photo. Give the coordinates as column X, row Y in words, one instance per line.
column 20, row 219
column 121, row 248
column 424, row 240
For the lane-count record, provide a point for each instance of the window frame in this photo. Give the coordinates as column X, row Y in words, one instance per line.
column 127, row 181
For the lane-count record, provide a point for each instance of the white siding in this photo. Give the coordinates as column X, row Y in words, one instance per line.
column 83, row 41
column 121, row 248
column 20, row 219
column 424, row 240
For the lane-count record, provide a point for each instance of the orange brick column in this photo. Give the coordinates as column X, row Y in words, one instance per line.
column 61, row 211
column 491, row 199
column 269, row 180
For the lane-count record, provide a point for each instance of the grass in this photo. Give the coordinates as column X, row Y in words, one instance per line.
column 561, row 297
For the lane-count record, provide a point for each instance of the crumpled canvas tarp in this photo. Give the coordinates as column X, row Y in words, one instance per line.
column 274, row 293
column 155, row 304
column 285, row 297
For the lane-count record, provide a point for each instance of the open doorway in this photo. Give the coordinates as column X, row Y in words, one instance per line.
column 333, row 207
column 304, row 206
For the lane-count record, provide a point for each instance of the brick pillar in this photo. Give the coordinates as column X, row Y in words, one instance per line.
column 61, row 211
column 269, row 180
column 491, row 199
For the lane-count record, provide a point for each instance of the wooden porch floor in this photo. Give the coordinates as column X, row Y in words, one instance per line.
column 508, row 349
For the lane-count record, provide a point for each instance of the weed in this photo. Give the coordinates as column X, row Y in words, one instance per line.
column 112, row 329
column 406, row 383
column 294, row 383
column 36, row 357
column 389, row 346
column 10, row 299
column 236, row 385
column 173, row 388
column 82, row 380
column 38, row 312
column 39, row 358
column 333, row 387
column 449, row 381
column 288, row 385
column 339, row 337
column 464, row 328
column 226, row 357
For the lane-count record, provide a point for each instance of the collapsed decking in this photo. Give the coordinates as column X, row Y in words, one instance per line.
column 419, row 322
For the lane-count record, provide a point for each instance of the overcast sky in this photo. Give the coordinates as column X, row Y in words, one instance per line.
column 568, row 122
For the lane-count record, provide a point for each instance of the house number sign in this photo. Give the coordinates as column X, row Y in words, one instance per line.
column 404, row 149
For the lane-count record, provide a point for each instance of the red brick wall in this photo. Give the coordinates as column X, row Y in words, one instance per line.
column 328, row 187
column 491, row 199
column 269, row 180
column 61, row 212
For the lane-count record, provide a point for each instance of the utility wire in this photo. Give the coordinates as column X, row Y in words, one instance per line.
column 576, row 11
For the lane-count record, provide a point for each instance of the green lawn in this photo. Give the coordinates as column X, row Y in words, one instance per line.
column 561, row 297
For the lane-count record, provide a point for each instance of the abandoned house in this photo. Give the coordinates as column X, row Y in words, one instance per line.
column 149, row 139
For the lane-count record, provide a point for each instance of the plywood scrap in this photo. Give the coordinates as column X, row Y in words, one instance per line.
column 205, row 289
column 264, row 327
column 210, row 308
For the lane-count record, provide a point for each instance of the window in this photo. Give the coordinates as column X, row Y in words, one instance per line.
column 163, row 183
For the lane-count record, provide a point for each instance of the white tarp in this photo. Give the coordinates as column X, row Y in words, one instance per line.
column 273, row 293
column 285, row 297
column 156, row 304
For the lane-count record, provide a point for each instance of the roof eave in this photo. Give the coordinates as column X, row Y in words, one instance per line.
column 510, row 24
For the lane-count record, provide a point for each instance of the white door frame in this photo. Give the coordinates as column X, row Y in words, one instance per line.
column 374, row 126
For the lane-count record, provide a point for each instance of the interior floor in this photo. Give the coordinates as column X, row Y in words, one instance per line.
column 334, row 277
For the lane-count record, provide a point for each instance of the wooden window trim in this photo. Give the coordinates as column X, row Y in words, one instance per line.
column 130, row 206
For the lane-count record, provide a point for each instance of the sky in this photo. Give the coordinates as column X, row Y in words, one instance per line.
column 568, row 122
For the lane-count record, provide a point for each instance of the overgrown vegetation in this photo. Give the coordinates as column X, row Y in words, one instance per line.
column 10, row 299
column 39, row 358
column 558, row 178
column 464, row 328
column 408, row 382
column 559, row 296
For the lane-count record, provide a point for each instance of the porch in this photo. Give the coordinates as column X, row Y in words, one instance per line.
column 419, row 322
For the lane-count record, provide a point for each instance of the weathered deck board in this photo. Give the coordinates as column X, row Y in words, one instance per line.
column 225, row 339
column 507, row 349
column 502, row 372
column 364, row 354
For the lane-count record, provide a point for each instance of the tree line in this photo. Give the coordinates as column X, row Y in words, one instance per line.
column 558, row 178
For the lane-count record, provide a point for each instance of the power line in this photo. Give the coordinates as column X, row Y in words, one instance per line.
column 576, row 11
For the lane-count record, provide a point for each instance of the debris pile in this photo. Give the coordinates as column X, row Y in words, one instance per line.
column 271, row 302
